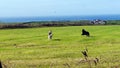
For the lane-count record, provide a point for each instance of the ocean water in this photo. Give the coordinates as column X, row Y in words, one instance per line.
column 59, row 18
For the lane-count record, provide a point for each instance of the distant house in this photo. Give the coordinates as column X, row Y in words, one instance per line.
column 97, row 21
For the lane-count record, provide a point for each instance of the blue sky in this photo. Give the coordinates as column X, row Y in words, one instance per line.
column 21, row 8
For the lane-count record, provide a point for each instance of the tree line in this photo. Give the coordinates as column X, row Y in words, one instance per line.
column 54, row 23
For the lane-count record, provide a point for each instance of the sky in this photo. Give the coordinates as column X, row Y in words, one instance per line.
column 30, row 8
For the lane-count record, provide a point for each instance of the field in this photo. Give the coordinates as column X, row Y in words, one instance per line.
column 30, row 48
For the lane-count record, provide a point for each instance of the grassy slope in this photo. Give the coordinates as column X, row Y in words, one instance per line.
column 25, row 48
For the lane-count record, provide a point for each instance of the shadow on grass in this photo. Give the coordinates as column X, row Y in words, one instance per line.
column 85, row 39
column 56, row 39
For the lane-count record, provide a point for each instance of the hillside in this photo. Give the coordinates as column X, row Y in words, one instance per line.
column 30, row 48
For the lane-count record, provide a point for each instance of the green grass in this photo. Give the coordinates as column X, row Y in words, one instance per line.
column 30, row 48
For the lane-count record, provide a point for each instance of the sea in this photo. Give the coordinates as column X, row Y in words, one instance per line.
column 58, row 18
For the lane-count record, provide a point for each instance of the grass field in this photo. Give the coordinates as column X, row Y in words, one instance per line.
column 30, row 48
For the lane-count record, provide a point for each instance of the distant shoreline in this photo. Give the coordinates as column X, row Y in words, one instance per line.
column 58, row 18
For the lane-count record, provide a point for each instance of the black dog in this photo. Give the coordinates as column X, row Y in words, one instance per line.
column 84, row 32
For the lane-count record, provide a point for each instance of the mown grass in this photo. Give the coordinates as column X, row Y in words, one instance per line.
column 30, row 48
